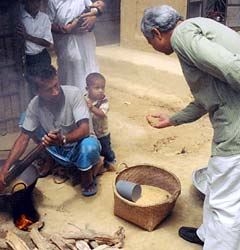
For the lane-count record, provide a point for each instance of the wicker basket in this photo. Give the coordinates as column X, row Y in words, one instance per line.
column 146, row 217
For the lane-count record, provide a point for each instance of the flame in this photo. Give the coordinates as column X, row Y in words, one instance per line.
column 23, row 222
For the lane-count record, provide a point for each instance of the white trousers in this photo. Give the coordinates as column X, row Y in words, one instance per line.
column 76, row 57
column 221, row 211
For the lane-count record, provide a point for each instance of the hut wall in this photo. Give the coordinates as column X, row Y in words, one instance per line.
column 13, row 89
column 131, row 15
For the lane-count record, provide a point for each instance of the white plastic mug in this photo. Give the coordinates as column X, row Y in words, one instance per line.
column 129, row 190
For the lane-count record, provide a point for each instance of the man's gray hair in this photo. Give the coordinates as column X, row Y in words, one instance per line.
column 163, row 18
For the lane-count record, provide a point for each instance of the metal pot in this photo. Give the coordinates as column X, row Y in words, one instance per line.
column 17, row 198
column 25, row 182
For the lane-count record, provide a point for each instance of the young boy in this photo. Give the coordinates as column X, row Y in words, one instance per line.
column 99, row 106
column 36, row 30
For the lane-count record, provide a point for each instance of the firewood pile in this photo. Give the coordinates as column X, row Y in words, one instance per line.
column 74, row 239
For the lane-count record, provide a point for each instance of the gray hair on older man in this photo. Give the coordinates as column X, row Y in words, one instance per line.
column 163, row 18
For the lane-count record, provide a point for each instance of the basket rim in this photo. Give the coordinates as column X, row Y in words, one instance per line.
column 170, row 200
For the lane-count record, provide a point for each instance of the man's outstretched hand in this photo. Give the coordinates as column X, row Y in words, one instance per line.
column 159, row 120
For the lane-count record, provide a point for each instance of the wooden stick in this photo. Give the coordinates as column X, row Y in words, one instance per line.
column 3, row 244
column 40, row 241
column 82, row 245
column 38, row 225
column 103, row 247
column 15, row 242
column 100, row 238
column 71, row 246
column 57, row 240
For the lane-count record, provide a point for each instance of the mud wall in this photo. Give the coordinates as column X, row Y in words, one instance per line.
column 131, row 14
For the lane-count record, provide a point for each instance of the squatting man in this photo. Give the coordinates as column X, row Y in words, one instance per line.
column 59, row 107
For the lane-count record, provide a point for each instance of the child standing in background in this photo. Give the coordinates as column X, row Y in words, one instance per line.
column 36, row 30
column 99, row 106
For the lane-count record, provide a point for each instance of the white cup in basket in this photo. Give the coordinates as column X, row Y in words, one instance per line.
column 129, row 190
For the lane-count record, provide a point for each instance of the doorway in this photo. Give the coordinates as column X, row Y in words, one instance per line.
column 223, row 11
column 107, row 28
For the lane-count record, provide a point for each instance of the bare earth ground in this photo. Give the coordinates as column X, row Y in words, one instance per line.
column 178, row 149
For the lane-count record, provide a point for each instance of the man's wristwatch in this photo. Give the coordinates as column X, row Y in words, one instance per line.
column 64, row 140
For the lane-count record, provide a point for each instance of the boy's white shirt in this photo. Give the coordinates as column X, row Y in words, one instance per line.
column 40, row 27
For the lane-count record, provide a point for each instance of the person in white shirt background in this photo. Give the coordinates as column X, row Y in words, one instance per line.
column 36, row 30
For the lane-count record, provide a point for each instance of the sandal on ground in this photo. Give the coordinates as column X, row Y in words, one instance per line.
column 90, row 190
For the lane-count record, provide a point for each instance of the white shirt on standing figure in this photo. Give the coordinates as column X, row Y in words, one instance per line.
column 40, row 27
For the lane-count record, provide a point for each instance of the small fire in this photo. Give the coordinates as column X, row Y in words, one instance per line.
column 23, row 222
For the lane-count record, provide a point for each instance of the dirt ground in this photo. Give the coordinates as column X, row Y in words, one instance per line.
column 178, row 149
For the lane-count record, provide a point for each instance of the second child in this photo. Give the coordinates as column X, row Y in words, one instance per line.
column 99, row 106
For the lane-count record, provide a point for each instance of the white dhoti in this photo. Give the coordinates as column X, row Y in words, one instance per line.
column 221, row 211
column 76, row 57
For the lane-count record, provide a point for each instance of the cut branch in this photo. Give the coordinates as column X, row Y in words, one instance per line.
column 100, row 238
column 15, row 242
column 57, row 240
column 40, row 241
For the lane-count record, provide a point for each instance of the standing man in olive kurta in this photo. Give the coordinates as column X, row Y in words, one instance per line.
column 209, row 54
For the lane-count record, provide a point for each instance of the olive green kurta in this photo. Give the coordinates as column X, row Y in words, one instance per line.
column 209, row 53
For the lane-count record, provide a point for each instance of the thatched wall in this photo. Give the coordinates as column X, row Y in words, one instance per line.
column 13, row 96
